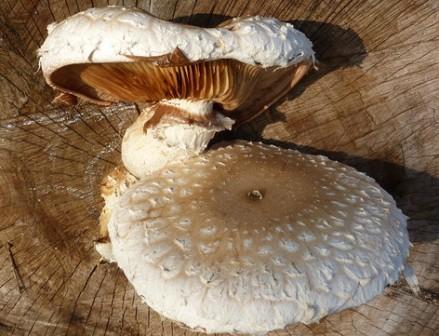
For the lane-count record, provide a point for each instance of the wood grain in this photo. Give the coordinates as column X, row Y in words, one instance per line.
column 373, row 104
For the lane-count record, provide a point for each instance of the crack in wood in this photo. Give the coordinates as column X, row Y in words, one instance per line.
column 77, row 298
column 17, row 276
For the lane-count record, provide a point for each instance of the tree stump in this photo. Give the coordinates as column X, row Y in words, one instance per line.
column 373, row 104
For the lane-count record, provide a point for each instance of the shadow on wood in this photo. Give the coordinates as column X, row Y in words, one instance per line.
column 335, row 48
column 203, row 20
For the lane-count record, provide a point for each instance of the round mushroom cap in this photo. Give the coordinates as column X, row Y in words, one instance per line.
column 249, row 238
column 114, row 54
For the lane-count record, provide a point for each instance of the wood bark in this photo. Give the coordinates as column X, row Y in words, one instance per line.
column 373, row 103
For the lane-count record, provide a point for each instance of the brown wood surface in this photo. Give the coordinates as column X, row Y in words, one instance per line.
column 373, row 103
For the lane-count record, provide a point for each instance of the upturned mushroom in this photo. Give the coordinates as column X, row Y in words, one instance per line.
column 200, row 80
column 206, row 243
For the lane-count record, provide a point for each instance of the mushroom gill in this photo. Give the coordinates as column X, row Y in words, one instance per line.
column 245, row 89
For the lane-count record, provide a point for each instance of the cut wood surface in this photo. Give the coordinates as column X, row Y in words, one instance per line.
column 373, row 104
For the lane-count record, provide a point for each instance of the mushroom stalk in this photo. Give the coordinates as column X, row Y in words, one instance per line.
column 169, row 131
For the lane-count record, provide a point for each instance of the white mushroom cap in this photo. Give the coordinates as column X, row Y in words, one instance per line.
column 113, row 34
column 249, row 238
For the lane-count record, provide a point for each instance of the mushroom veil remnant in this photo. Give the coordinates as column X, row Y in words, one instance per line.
column 200, row 80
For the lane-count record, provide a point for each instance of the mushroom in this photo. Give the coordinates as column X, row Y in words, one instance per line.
column 244, row 238
column 200, row 80
column 248, row 238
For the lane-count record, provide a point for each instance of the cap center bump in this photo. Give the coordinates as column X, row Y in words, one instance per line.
column 255, row 195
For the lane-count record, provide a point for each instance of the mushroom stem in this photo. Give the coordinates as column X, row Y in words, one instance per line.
column 170, row 130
